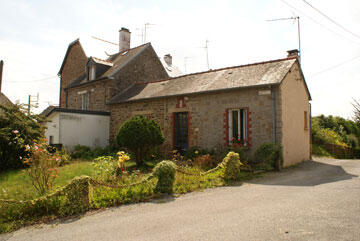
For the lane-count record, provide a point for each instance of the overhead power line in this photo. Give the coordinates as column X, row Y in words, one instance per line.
column 335, row 66
column 322, row 25
column 331, row 20
column 36, row 80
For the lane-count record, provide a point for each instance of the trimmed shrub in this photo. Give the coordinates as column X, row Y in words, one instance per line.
column 139, row 135
column 165, row 172
column 268, row 157
column 232, row 166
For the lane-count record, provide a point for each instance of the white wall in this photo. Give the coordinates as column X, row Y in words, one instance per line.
column 71, row 129
column 52, row 128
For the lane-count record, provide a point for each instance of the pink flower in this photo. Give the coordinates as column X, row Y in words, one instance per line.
column 27, row 147
column 15, row 132
column 36, row 147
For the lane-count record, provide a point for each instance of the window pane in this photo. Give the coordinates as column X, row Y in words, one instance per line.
column 235, row 126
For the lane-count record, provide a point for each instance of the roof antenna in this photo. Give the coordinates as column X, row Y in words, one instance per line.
column 146, row 25
column 207, row 53
column 297, row 18
column 104, row 40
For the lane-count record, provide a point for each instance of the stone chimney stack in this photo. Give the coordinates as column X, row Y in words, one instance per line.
column 1, row 72
column 124, row 39
column 168, row 59
column 292, row 53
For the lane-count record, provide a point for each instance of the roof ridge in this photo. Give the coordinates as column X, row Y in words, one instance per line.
column 119, row 53
column 225, row 68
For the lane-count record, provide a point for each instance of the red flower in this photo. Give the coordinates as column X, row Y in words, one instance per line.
column 122, row 169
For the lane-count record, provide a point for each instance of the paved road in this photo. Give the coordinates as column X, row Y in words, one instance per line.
column 318, row 200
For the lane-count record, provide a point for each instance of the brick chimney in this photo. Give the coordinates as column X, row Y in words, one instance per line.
column 124, row 39
column 292, row 53
column 1, row 72
column 168, row 59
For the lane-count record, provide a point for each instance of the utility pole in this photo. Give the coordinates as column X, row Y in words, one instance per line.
column 32, row 103
column 297, row 18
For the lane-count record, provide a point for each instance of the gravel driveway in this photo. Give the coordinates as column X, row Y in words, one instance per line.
column 317, row 200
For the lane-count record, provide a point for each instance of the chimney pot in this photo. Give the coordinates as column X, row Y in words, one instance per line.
column 292, row 53
column 124, row 39
column 168, row 59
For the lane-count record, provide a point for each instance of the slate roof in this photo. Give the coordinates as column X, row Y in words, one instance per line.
column 251, row 75
column 49, row 110
column 5, row 100
column 116, row 61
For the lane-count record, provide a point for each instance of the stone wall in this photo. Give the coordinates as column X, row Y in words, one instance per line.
column 207, row 116
column 100, row 94
column 74, row 66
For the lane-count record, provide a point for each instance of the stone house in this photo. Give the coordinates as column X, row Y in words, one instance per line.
column 254, row 103
column 88, row 83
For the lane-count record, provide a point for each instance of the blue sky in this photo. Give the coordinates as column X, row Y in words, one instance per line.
column 34, row 36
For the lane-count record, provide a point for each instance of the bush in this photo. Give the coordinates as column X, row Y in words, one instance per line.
column 139, row 135
column 232, row 166
column 42, row 167
column 205, row 161
column 268, row 157
column 16, row 130
column 165, row 172
column 86, row 153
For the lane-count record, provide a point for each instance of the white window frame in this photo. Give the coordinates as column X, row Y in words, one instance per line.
column 85, row 100
column 244, row 127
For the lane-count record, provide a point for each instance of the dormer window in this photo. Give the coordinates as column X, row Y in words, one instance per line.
column 92, row 72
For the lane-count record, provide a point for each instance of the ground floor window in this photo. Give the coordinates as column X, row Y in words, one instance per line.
column 85, row 99
column 237, row 126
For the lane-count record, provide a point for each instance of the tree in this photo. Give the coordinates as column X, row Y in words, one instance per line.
column 356, row 105
column 139, row 135
column 17, row 130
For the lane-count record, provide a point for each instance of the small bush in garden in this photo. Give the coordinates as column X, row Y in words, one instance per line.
column 105, row 168
column 165, row 172
column 42, row 167
column 232, row 166
column 81, row 152
column 205, row 161
column 268, row 157
column 139, row 135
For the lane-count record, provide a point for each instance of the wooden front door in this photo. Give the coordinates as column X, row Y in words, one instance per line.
column 181, row 132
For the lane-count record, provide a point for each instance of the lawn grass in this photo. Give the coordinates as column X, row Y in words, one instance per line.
column 17, row 185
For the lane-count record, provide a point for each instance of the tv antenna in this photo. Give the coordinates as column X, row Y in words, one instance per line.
column 104, row 40
column 146, row 26
column 297, row 18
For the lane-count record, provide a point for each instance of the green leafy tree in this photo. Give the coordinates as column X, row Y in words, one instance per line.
column 17, row 130
column 356, row 105
column 139, row 135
